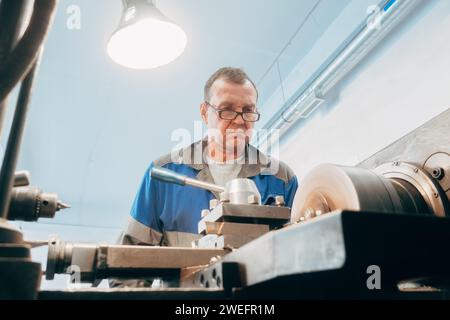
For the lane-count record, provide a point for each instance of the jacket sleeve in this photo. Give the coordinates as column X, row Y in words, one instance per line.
column 291, row 189
column 144, row 227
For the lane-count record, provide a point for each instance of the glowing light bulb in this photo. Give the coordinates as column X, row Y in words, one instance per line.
column 147, row 43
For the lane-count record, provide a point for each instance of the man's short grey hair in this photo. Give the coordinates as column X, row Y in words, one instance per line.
column 233, row 75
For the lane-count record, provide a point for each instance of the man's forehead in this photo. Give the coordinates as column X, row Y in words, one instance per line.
column 223, row 89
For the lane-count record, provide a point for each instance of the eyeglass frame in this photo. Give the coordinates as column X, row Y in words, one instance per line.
column 219, row 112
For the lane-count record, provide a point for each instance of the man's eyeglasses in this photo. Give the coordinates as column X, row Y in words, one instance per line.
column 226, row 114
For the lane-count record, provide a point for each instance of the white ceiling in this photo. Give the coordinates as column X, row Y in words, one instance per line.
column 94, row 126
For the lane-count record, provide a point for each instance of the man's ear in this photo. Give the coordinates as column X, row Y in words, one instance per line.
column 204, row 112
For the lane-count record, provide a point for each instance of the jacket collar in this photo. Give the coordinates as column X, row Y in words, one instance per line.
column 255, row 161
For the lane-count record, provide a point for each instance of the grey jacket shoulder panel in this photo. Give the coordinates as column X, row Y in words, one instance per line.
column 279, row 169
column 191, row 155
column 162, row 161
column 256, row 162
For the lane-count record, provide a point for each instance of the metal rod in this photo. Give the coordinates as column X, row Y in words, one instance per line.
column 14, row 140
column 12, row 16
column 170, row 176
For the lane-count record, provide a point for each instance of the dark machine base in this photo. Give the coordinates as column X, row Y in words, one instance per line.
column 330, row 257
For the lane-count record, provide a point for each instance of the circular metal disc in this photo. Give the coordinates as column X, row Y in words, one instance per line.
column 332, row 187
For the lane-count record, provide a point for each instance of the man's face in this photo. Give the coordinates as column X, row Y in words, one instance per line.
column 229, row 134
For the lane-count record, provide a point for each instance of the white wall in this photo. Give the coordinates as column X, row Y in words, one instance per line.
column 403, row 83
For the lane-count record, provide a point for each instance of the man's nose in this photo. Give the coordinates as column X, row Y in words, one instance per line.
column 239, row 119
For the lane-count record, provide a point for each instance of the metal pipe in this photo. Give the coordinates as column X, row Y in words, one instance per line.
column 14, row 141
column 309, row 98
column 12, row 17
column 21, row 59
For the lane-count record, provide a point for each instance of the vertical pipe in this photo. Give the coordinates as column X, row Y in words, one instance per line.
column 24, row 54
column 15, row 139
column 12, row 18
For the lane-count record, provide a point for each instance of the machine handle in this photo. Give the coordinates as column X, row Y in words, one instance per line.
column 169, row 176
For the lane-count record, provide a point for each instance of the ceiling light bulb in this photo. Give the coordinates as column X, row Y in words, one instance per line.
column 146, row 39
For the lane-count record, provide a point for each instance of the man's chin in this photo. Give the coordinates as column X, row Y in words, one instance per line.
column 235, row 145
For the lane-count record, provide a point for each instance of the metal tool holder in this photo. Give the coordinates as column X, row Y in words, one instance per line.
column 234, row 219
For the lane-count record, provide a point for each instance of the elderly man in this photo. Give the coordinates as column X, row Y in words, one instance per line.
column 167, row 214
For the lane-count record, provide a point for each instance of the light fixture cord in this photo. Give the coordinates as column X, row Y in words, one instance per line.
column 300, row 27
